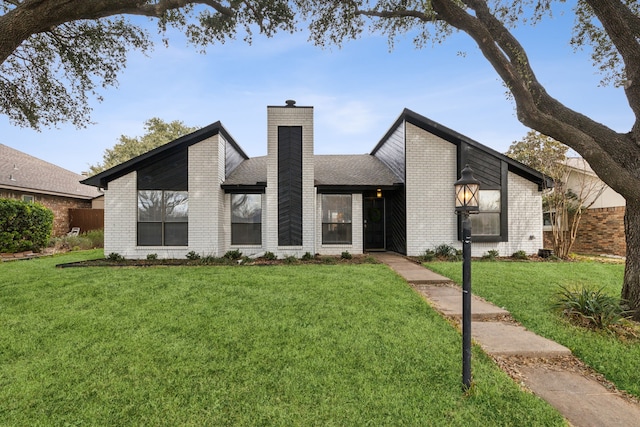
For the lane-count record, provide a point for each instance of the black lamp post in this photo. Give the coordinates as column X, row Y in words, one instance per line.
column 467, row 202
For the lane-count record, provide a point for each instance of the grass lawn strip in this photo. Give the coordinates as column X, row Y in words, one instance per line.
column 279, row 345
column 527, row 290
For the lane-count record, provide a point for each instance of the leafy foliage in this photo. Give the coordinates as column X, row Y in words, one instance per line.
column 24, row 226
column 591, row 307
column 447, row 252
column 157, row 133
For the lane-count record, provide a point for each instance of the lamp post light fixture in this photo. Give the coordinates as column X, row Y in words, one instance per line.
column 467, row 202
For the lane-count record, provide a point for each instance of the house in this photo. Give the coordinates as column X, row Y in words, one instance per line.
column 601, row 228
column 202, row 193
column 30, row 179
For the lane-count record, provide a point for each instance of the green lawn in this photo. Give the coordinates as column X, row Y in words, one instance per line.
column 527, row 290
column 279, row 345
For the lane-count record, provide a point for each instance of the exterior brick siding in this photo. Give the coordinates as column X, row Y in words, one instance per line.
column 601, row 231
column 59, row 206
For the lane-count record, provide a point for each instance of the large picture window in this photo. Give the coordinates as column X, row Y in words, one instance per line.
column 246, row 219
column 336, row 218
column 487, row 221
column 163, row 218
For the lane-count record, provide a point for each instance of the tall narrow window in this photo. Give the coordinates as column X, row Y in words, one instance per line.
column 163, row 218
column 246, row 219
column 336, row 218
column 487, row 221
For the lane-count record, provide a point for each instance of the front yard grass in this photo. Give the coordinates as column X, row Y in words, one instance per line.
column 527, row 290
column 278, row 345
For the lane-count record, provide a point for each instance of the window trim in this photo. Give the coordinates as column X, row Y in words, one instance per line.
column 258, row 242
column 346, row 224
column 163, row 222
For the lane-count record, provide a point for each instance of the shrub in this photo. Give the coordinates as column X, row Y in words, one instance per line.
column 307, row 256
column 114, row 256
column 24, row 226
column 152, row 256
column 448, row 252
column 428, row 255
column 234, row 254
column 291, row 259
column 590, row 307
column 193, row 255
column 96, row 237
column 491, row 255
column 346, row 255
column 519, row 255
column 270, row 256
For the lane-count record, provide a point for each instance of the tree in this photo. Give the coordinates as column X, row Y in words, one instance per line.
column 158, row 132
column 564, row 205
column 55, row 54
column 610, row 27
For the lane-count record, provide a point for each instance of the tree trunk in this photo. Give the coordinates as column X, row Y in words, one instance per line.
column 631, row 286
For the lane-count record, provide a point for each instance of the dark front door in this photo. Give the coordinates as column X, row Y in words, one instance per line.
column 374, row 224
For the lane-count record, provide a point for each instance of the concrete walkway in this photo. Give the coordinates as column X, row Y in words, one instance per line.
column 582, row 400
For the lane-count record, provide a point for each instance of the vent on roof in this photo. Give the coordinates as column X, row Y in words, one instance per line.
column 290, row 103
column 11, row 178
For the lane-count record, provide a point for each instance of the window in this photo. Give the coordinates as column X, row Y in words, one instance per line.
column 163, row 218
column 246, row 219
column 487, row 221
column 336, row 218
column 27, row 198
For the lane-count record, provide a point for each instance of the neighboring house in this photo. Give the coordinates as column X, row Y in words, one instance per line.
column 30, row 179
column 202, row 193
column 601, row 228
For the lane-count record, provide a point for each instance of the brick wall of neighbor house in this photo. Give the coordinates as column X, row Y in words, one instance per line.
column 290, row 116
column 430, row 174
column 357, row 229
column 601, row 231
column 59, row 206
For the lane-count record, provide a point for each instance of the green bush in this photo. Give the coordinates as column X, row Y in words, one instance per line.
column 193, row 255
column 428, row 255
column 291, row 259
column 307, row 256
column 590, row 307
column 114, row 256
column 96, row 237
column 346, row 255
column 447, row 252
column 24, row 226
column 519, row 255
column 270, row 256
column 152, row 257
column 491, row 255
column 234, row 255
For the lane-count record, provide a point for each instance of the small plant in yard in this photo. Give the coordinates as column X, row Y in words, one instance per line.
column 428, row 255
column 590, row 307
column 519, row 255
column 234, row 254
column 193, row 255
column 152, row 257
column 114, row 256
column 491, row 255
column 346, row 255
column 291, row 259
column 270, row 256
column 307, row 256
column 448, row 252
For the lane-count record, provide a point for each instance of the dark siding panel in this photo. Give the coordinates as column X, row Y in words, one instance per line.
column 504, row 205
column 391, row 153
column 397, row 222
column 232, row 158
column 169, row 173
column 486, row 168
column 290, row 185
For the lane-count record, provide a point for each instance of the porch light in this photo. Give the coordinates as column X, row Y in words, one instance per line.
column 379, row 193
column 467, row 191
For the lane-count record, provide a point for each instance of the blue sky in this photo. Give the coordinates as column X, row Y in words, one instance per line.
column 357, row 92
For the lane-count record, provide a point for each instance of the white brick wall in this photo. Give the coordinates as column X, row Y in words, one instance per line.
column 290, row 116
column 431, row 219
column 430, row 174
column 120, row 216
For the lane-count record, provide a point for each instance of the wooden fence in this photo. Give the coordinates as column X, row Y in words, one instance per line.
column 86, row 219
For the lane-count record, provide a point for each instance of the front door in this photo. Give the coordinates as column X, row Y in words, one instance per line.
column 374, row 225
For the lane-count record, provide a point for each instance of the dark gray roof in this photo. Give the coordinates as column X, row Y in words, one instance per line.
column 22, row 172
column 349, row 170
